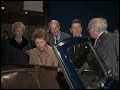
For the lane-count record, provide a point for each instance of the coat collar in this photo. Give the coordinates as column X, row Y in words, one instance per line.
column 102, row 38
column 45, row 50
column 17, row 45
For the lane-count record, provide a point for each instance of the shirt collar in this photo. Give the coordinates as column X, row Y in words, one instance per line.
column 58, row 36
column 79, row 36
column 98, row 37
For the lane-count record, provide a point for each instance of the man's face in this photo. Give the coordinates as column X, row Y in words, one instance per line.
column 91, row 30
column 92, row 33
column 54, row 29
column 76, row 29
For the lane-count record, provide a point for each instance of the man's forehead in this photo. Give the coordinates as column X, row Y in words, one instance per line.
column 76, row 24
column 53, row 22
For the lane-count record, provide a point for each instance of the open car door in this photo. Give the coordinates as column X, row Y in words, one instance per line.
column 80, row 78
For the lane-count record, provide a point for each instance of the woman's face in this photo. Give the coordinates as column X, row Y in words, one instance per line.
column 40, row 43
column 19, row 32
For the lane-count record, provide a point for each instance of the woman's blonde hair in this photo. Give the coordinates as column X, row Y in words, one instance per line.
column 15, row 26
column 40, row 33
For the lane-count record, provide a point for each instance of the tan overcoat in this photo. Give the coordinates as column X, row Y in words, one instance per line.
column 45, row 57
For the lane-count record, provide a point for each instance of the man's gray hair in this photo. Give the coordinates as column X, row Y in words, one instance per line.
column 54, row 21
column 104, row 23
column 99, row 24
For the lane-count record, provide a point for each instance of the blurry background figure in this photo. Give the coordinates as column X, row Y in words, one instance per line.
column 116, row 30
column 4, row 39
column 5, row 35
column 56, row 35
column 15, row 48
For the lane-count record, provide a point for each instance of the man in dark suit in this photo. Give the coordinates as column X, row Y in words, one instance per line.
column 106, row 45
column 77, row 53
column 56, row 35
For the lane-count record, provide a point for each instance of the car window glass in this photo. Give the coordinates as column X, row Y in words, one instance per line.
column 88, row 70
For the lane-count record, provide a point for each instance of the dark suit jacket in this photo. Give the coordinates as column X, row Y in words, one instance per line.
column 106, row 51
column 79, row 56
column 62, row 37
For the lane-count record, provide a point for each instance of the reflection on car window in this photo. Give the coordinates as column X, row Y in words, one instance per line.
column 82, row 59
column 78, row 55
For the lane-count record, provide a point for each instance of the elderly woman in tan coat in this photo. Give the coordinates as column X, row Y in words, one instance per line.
column 42, row 54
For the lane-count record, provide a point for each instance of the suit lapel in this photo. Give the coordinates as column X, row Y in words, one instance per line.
column 51, row 40
column 101, row 38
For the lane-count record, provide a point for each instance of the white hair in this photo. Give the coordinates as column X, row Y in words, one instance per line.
column 104, row 23
column 99, row 24
column 54, row 21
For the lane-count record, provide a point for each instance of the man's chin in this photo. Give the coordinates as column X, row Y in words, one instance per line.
column 55, row 34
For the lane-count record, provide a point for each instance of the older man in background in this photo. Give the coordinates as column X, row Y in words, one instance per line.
column 56, row 35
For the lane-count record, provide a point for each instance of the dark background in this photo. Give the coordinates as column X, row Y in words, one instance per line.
column 66, row 11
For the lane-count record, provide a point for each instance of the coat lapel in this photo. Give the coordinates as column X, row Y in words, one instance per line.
column 100, row 40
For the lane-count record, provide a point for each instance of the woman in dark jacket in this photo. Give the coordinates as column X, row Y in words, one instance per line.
column 15, row 49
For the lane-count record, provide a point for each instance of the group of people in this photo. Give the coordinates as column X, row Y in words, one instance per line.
column 18, row 49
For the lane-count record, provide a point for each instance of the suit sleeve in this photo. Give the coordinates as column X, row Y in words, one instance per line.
column 117, row 45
